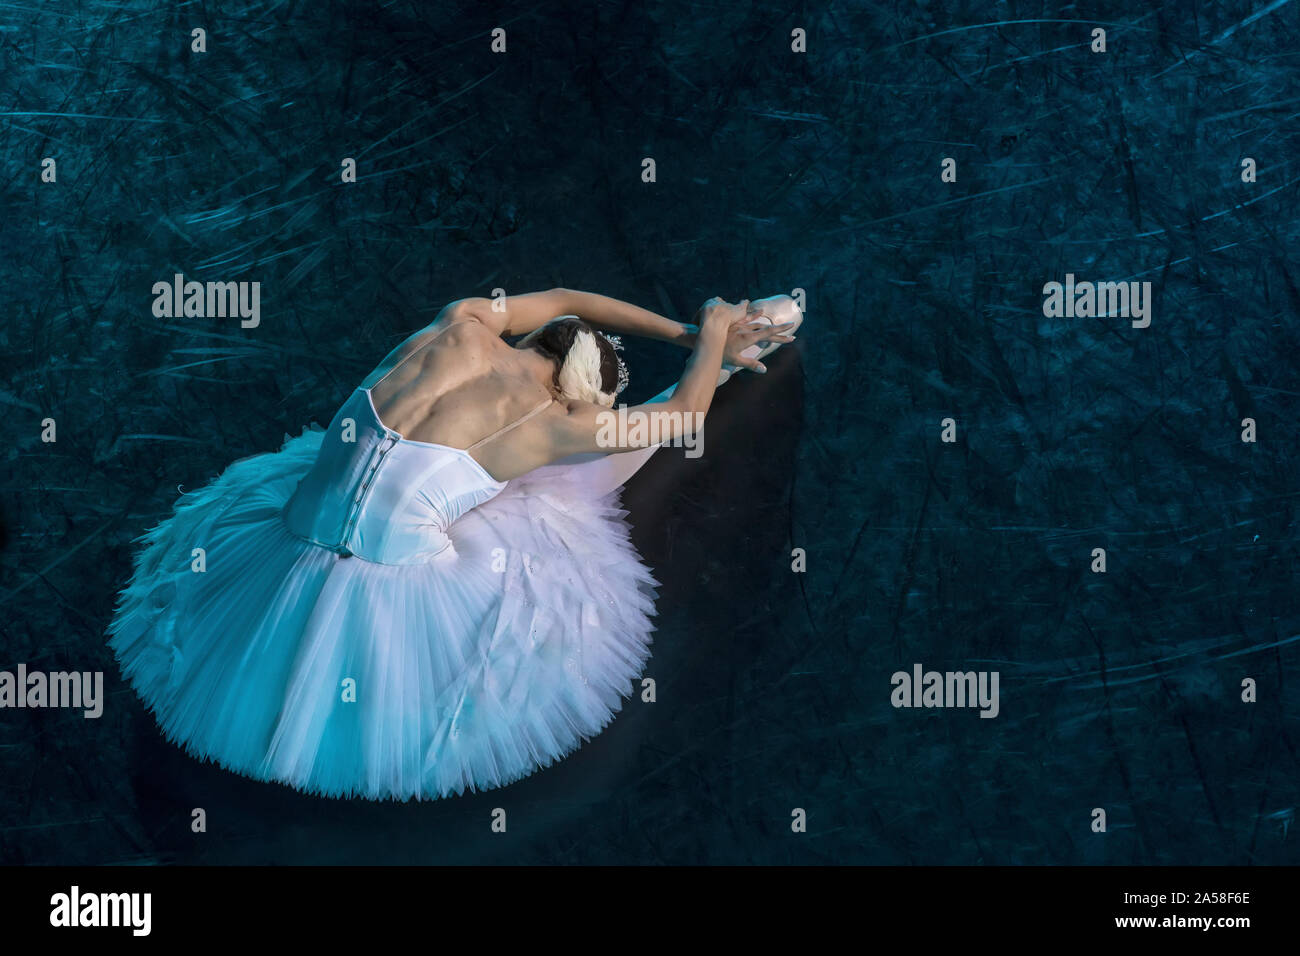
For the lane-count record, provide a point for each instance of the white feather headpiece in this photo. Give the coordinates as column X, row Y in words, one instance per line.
column 580, row 374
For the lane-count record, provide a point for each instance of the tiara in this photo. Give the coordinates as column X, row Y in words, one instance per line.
column 617, row 343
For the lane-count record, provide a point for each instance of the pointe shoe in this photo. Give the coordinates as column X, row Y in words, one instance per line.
column 776, row 310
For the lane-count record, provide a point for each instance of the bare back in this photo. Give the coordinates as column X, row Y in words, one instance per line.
column 453, row 385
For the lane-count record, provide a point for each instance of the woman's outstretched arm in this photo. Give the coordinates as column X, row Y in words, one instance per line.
column 521, row 314
column 624, row 318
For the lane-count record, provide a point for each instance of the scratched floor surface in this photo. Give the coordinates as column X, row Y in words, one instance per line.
column 774, row 171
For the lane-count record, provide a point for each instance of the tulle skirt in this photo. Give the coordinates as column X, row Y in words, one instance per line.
column 285, row 661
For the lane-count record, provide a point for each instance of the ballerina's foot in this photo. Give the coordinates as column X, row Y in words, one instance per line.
column 775, row 310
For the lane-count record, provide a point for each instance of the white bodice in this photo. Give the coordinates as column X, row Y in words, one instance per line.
column 376, row 495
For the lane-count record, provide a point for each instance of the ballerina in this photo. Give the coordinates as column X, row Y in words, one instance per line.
column 437, row 593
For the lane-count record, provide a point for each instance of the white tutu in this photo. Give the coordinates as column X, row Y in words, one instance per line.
column 469, row 669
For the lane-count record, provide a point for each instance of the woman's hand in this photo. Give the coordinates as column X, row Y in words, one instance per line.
column 744, row 332
column 716, row 316
column 739, row 330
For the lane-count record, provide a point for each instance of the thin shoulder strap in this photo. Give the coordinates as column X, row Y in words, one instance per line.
column 413, row 353
column 515, row 424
